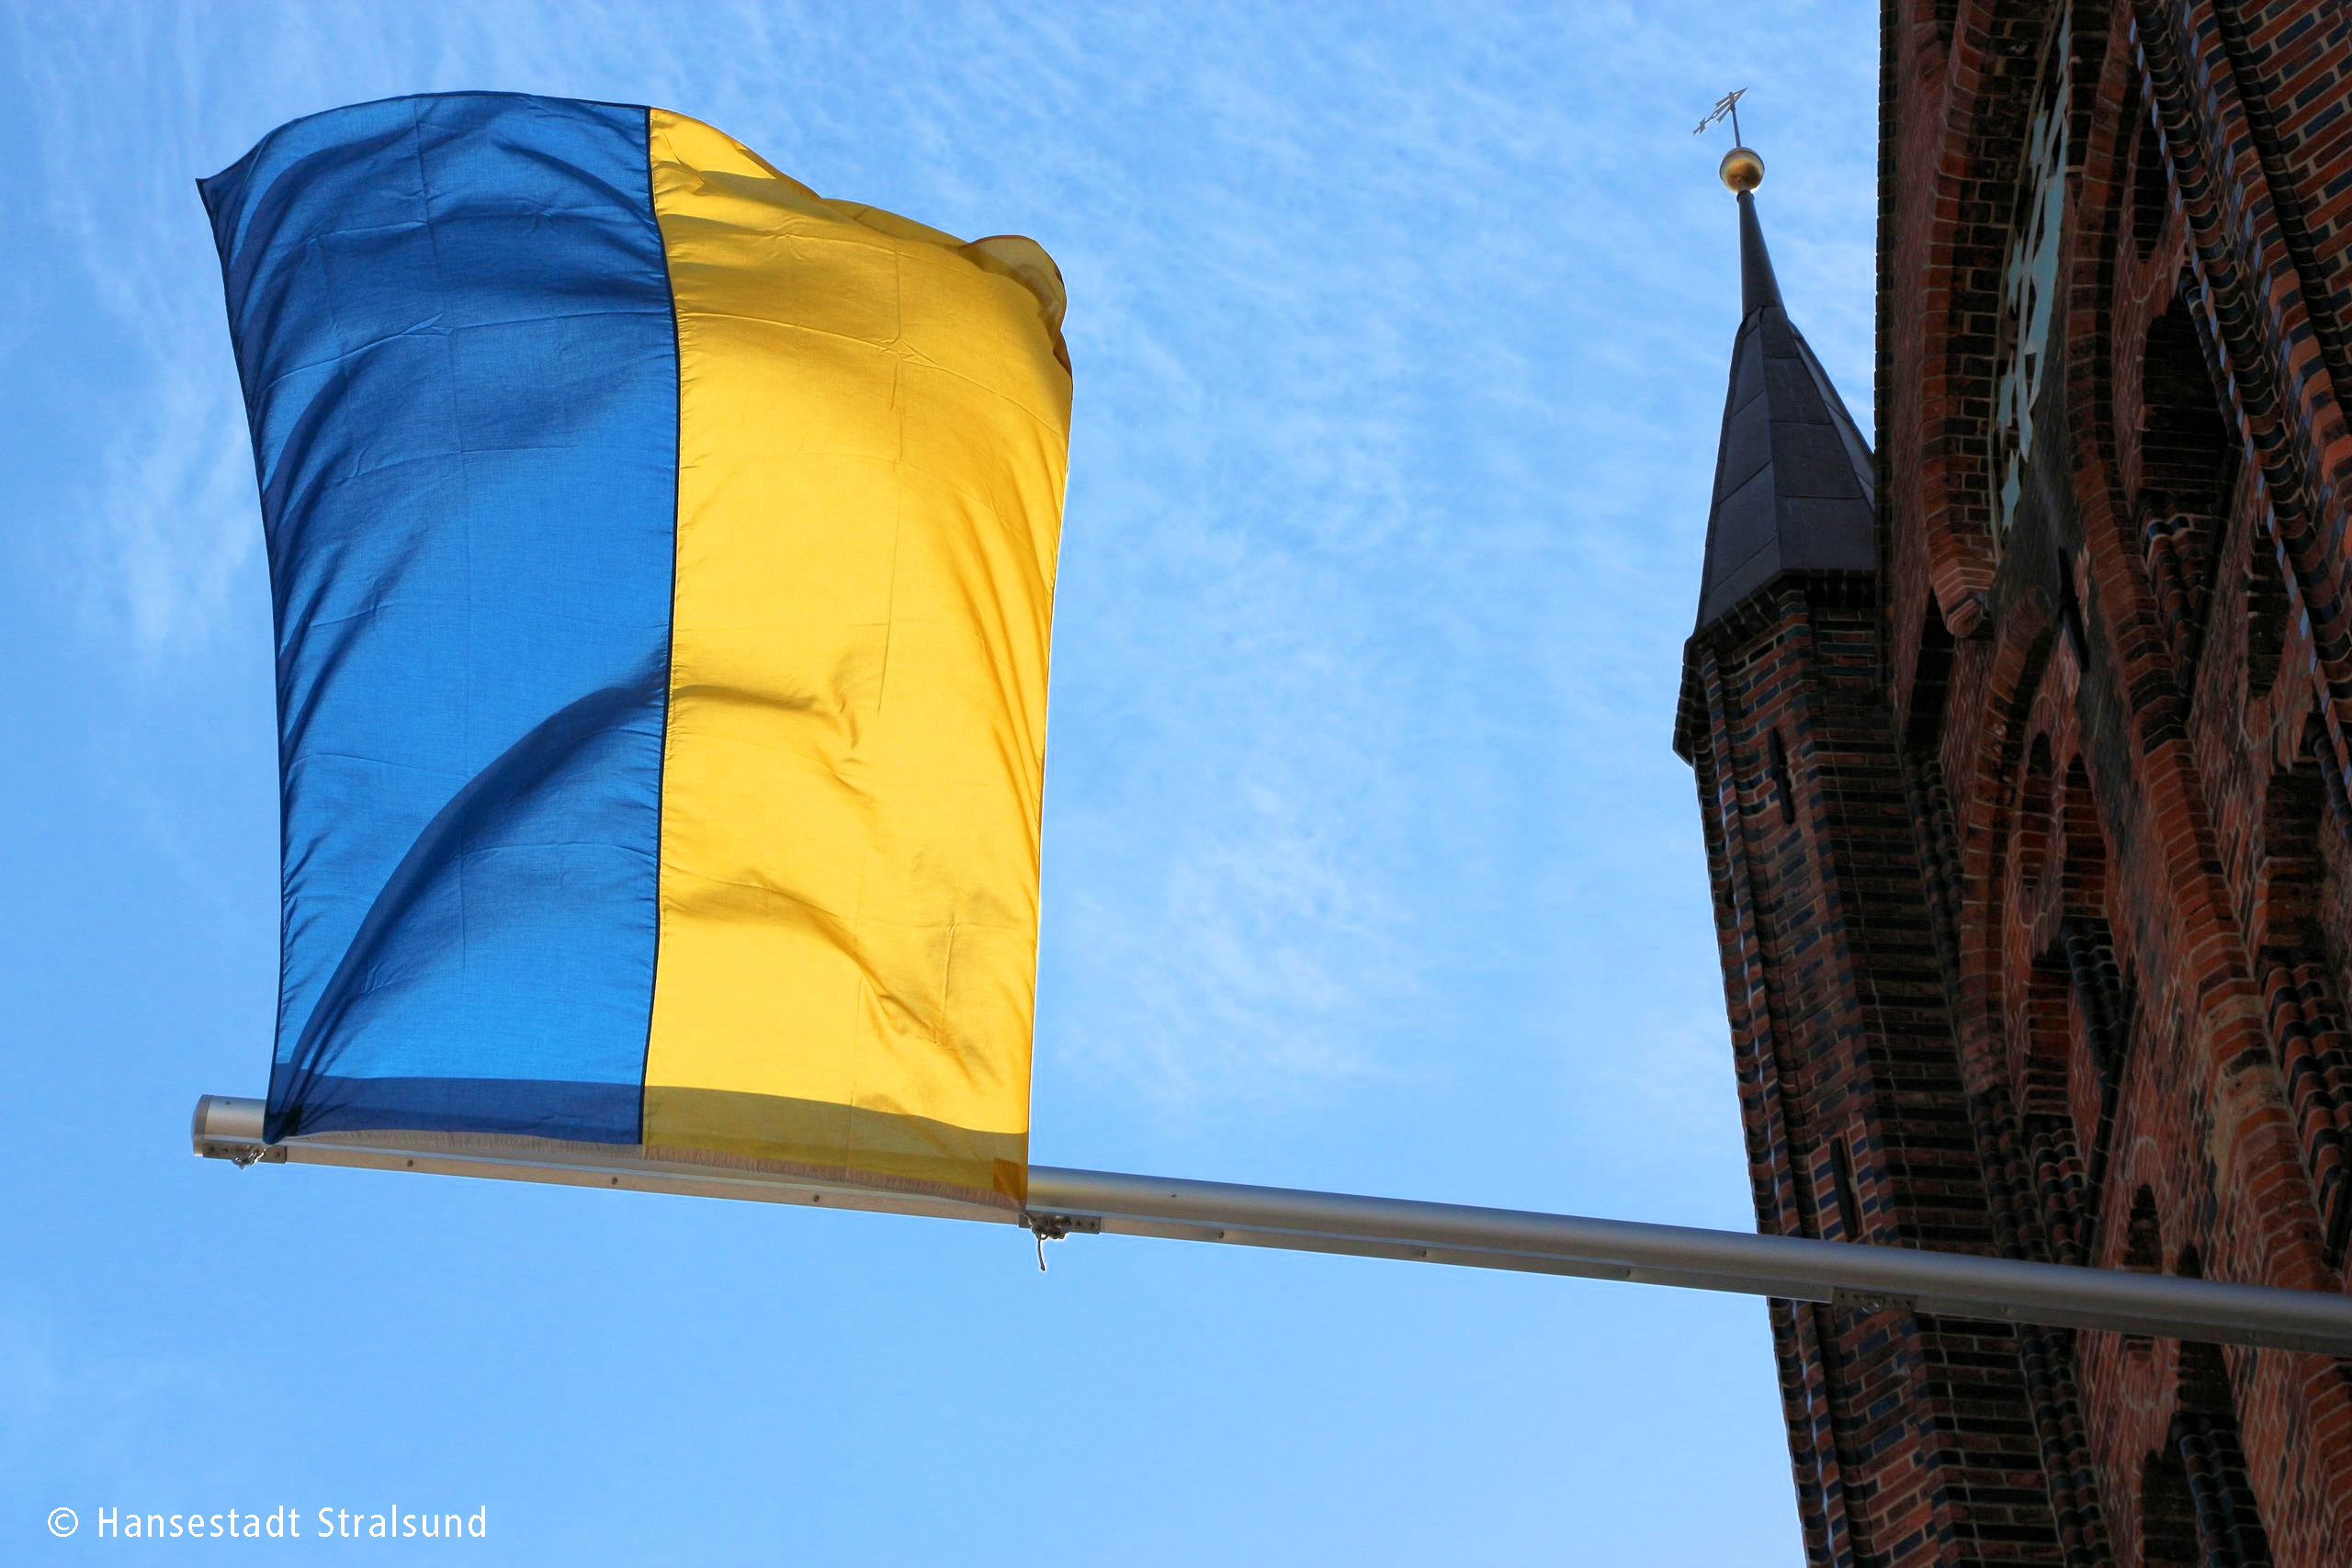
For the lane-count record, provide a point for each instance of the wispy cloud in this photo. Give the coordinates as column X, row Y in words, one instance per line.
column 1399, row 347
column 164, row 523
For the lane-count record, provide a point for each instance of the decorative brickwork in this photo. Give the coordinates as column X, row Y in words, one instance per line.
column 2029, row 838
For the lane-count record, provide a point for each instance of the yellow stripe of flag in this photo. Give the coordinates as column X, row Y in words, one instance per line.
column 874, row 426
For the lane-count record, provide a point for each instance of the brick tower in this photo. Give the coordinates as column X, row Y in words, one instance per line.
column 2021, row 749
column 1908, row 1433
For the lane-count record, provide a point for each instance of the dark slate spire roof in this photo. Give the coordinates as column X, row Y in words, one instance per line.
column 1794, row 486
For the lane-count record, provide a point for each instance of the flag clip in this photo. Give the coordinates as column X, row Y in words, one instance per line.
column 1872, row 1301
column 242, row 1154
column 1054, row 1227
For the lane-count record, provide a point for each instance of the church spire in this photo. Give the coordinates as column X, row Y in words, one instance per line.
column 1742, row 171
column 1795, row 487
column 1758, row 287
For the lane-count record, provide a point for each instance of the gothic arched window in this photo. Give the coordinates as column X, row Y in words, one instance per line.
column 2151, row 182
column 2028, row 305
column 2187, row 471
column 1782, row 779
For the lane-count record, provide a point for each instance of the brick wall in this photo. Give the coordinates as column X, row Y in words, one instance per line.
column 1909, row 1433
column 2032, row 861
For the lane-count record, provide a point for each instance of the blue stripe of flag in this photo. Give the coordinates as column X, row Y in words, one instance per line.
column 453, row 323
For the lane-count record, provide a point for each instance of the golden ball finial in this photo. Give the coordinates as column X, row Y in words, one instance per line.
column 1741, row 169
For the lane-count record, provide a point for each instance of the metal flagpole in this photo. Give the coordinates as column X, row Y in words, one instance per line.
column 1064, row 1203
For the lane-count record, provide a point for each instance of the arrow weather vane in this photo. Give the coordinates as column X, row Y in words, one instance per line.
column 1725, row 106
column 1742, row 170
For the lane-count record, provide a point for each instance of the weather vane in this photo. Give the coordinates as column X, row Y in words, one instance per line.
column 1742, row 170
column 1728, row 104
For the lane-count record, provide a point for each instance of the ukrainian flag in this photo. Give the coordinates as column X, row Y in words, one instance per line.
column 664, row 566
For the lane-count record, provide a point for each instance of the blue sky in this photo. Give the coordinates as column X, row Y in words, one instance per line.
column 1400, row 336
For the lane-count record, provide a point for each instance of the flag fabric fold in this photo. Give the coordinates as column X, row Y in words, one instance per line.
column 663, row 560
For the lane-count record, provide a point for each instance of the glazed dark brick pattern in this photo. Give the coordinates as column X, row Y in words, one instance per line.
column 2032, row 857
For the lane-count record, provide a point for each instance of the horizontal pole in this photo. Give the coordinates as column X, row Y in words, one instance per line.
column 1065, row 1201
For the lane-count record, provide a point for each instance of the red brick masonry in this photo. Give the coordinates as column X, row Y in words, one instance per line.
column 2032, row 854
